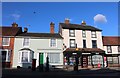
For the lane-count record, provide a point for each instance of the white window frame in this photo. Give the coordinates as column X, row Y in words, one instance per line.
column 74, row 43
column 96, row 44
column 20, row 56
column 8, row 41
column 6, row 60
column 119, row 49
column 51, row 43
column 52, row 58
column 24, row 42
column 72, row 34
column 85, row 44
column 83, row 33
column 93, row 34
column 109, row 48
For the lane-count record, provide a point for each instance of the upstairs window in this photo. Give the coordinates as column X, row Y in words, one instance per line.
column 5, row 41
column 93, row 34
column 109, row 49
column 83, row 33
column 72, row 33
column 26, row 42
column 53, row 42
column 84, row 43
column 118, row 48
column 94, row 44
column 72, row 43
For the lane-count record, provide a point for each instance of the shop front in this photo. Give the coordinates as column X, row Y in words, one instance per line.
column 87, row 57
column 113, row 60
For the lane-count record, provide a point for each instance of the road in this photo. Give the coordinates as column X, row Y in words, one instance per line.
column 58, row 73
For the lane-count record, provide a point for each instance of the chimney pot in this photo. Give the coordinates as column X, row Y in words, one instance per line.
column 52, row 27
column 25, row 30
column 67, row 21
column 14, row 24
column 83, row 23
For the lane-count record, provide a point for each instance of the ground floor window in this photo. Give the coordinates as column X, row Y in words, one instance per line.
column 97, row 59
column 54, row 57
column 25, row 56
column 89, row 60
column 112, row 60
column 6, row 54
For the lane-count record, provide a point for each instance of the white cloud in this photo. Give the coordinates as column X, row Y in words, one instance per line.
column 100, row 18
column 16, row 16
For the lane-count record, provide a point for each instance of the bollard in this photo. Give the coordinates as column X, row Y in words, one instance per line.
column 47, row 63
column 33, row 64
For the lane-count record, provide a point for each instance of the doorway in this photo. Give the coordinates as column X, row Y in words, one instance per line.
column 41, row 61
column 84, row 61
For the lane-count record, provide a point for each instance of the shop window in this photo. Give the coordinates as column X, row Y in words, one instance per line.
column 54, row 57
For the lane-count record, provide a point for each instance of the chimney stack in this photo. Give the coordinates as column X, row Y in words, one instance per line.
column 67, row 21
column 83, row 23
column 52, row 28
column 25, row 29
column 14, row 24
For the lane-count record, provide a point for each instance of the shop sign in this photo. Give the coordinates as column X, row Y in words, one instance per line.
column 74, row 53
column 86, row 53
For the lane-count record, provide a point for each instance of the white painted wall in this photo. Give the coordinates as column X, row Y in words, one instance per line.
column 38, row 46
column 114, row 50
column 79, row 39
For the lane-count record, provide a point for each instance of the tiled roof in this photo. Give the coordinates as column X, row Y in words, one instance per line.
column 48, row 35
column 92, row 50
column 111, row 40
column 78, row 26
column 10, row 31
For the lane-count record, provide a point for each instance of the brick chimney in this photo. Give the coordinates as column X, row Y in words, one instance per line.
column 83, row 23
column 14, row 24
column 52, row 27
column 67, row 21
column 25, row 29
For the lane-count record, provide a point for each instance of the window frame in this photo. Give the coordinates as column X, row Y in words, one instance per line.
column 51, row 42
column 8, row 41
column 28, row 56
column 93, row 35
column 24, row 42
column 54, row 57
column 74, row 43
column 93, row 44
column 71, row 33
column 83, row 33
column 7, row 55
column 84, row 46
column 118, row 48
column 110, row 48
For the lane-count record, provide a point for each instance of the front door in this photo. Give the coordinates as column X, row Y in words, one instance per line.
column 84, row 61
column 41, row 62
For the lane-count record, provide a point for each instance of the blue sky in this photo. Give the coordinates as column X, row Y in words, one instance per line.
column 38, row 15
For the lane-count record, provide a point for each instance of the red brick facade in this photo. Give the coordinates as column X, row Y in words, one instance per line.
column 10, row 47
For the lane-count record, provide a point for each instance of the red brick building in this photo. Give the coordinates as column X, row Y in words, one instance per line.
column 7, row 36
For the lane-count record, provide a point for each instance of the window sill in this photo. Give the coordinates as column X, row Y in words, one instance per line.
column 93, row 37
column 5, row 45
column 25, row 62
column 71, row 36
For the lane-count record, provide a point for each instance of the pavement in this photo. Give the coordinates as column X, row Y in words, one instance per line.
column 62, row 73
